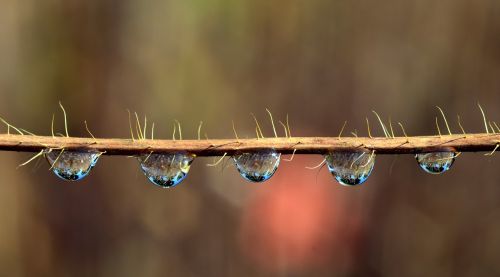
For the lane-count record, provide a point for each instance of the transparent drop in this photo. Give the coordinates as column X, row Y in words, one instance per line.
column 257, row 166
column 166, row 170
column 435, row 162
column 72, row 165
column 350, row 168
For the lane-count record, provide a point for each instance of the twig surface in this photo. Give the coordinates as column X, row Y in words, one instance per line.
column 217, row 147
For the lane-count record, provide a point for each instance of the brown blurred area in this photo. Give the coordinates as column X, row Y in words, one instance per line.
column 322, row 62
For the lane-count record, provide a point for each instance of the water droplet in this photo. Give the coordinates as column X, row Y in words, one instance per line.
column 435, row 162
column 350, row 168
column 257, row 166
column 166, row 170
column 72, row 165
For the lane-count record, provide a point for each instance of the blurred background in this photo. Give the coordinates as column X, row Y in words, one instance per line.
column 321, row 62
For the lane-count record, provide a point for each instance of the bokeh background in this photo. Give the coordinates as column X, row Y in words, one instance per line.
column 321, row 62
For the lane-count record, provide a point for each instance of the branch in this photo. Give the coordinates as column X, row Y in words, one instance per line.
column 219, row 147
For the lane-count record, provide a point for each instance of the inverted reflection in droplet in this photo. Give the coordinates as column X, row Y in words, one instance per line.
column 350, row 168
column 257, row 166
column 166, row 170
column 72, row 165
column 435, row 162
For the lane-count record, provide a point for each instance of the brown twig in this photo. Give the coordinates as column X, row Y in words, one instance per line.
column 217, row 147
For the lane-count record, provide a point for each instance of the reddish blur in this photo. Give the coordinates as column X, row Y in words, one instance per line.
column 297, row 221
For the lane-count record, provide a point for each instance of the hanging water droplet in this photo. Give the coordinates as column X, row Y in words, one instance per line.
column 350, row 168
column 72, row 165
column 257, row 166
column 166, row 170
column 435, row 162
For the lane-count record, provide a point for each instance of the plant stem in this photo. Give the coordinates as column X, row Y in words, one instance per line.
column 217, row 147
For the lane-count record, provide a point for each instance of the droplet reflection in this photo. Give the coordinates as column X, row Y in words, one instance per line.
column 72, row 165
column 435, row 162
column 257, row 166
column 166, row 170
column 350, row 168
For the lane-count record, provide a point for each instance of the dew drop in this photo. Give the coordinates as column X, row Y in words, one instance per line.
column 257, row 166
column 350, row 168
column 166, row 170
column 435, row 162
column 72, row 165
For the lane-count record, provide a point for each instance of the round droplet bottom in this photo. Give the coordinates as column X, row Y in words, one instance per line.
column 72, row 165
column 435, row 162
column 166, row 170
column 257, row 166
column 350, row 168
